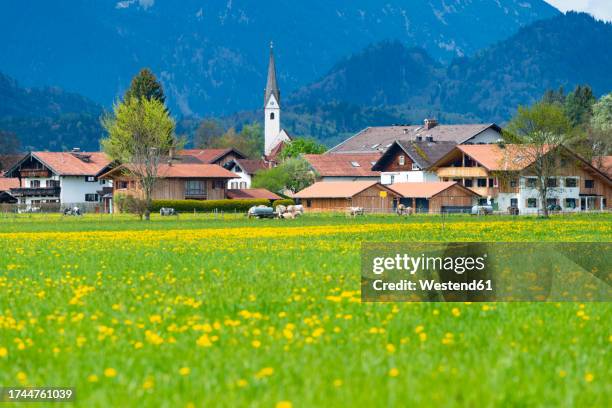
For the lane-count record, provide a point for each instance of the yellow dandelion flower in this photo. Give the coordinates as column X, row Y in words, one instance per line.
column 456, row 312
column 204, row 341
column 148, row 384
column 22, row 377
column 394, row 372
column 284, row 404
column 589, row 377
column 92, row 378
column 256, row 343
column 242, row 383
column 337, row 383
column 3, row 352
column 423, row 336
column 184, row 371
column 390, row 348
column 264, row 372
column 110, row 372
column 562, row 373
column 419, row 329
column 138, row 345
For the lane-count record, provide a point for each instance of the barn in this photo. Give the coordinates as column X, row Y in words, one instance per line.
column 447, row 196
column 340, row 195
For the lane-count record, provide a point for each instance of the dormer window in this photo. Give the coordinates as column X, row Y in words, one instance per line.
column 355, row 164
column 402, row 160
column 415, row 167
column 419, row 138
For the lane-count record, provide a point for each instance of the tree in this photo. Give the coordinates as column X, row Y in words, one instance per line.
column 293, row 174
column 579, row 105
column 140, row 135
column 145, row 85
column 9, row 143
column 208, row 131
column 602, row 114
column 249, row 141
column 300, row 146
column 551, row 96
column 540, row 130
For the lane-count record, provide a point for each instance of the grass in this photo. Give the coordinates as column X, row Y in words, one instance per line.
column 234, row 312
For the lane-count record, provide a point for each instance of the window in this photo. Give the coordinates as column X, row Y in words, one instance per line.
column 102, row 181
column 355, row 164
column 531, row 182
column 514, row 202
column 482, row 182
column 271, row 115
column 91, row 197
column 513, row 183
column 243, row 184
column 234, row 185
column 551, row 182
column 402, row 160
column 53, row 183
column 571, row 182
column 195, row 188
column 218, row 184
column 532, row 203
column 415, row 167
column 419, row 138
column 237, row 169
column 308, row 203
column 589, row 183
column 570, row 203
column 34, row 183
column 491, row 182
column 392, row 179
column 122, row 185
column 482, row 201
column 468, row 183
column 551, row 201
column 90, row 179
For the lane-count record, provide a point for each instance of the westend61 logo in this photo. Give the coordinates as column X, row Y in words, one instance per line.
column 485, row 271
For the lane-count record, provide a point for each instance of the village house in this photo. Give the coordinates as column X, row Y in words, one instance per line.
column 380, row 138
column 503, row 176
column 344, row 167
column 176, row 181
column 245, row 169
column 341, row 195
column 409, row 161
column 220, row 157
column 435, row 197
column 6, row 184
column 66, row 178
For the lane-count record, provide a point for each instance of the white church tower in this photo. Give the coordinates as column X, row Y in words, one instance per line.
column 272, row 127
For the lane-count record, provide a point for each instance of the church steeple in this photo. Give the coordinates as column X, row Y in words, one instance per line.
column 271, row 85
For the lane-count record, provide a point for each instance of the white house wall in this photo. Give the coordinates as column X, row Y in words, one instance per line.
column 408, row 177
column 74, row 188
column 488, row 136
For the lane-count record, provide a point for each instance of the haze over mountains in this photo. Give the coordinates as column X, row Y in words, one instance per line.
column 470, row 61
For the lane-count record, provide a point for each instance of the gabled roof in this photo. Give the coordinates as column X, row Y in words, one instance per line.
column 380, row 138
column 426, row 190
column 180, row 170
column 208, row 156
column 276, row 150
column 424, row 154
column 8, row 183
column 69, row 163
column 339, row 189
column 344, row 165
column 8, row 160
column 251, row 193
column 248, row 166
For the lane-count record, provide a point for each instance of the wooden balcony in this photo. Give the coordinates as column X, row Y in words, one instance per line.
column 36, row 192
column 34, row 173
column 460, row 172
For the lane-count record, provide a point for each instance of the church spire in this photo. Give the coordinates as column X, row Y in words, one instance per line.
column 271, row 85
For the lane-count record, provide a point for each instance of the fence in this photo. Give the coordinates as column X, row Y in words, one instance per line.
column 51, row 208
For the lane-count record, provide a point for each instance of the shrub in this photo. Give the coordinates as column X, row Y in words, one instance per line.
column 208, row 205
column 285, row 201
column 130, row 204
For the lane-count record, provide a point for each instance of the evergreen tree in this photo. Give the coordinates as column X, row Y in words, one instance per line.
column 579, row 105
column 145, row 85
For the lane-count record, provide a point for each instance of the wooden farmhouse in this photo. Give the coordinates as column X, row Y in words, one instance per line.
column 340, row 195
column 177, row 181
column 435, row 197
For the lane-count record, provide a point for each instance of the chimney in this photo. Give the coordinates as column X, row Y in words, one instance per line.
column 430, row 123
column 76, row 150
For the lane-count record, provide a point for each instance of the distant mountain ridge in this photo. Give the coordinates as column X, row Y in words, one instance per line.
column 211, row 55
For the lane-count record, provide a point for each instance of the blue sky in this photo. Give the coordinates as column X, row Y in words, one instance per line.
column 602, row 9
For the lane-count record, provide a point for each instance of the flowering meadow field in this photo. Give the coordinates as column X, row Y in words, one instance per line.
column 205, row 311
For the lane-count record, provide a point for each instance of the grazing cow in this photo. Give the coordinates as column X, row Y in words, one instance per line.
column 72, row 211
column 288, row 216
column 403, row 210
column 164, row 212
column 355, row 211
column 280, row 210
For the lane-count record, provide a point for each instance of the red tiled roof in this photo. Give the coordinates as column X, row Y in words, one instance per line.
column 496, row 158
column 342, row 164
column 251, row 193
column 8, row 183
column 181, row 170
column 74, row 164
column 206, row 155
column 337, row 189
column 603, row 164
column 251, row 166
column 424, row 190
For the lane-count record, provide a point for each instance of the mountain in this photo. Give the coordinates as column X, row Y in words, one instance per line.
column 48, row 118
column 211, row 55
column 389, row 83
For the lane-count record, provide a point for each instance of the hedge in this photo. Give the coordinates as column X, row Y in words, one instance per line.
column 208, row 205
column 286, row 202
